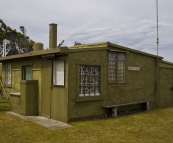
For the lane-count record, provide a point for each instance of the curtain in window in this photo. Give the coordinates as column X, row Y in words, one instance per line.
column 58, row 73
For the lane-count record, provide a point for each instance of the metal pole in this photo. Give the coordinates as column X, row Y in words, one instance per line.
column 157, row 27
column 157, row 41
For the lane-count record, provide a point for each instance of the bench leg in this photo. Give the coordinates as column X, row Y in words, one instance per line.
column 147, row 106
column 114, row 112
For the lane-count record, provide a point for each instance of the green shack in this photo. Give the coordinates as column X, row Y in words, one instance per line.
column 85, row 81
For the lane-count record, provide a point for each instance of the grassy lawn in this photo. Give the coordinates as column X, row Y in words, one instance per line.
column 155, row 126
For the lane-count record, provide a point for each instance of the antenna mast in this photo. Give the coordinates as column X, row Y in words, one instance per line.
column 157, row 70
column 157, row 27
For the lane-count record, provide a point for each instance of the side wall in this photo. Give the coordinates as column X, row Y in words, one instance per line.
column 52, row 100
column 16, row 75
column 78, row 108
column 138, row 86
column 165, row 84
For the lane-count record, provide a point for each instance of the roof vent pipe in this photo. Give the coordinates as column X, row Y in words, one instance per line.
column 52, row 36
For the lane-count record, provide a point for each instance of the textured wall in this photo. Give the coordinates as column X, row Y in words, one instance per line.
column 165, row 85
column 77, row 108
column 139, row 85
column 16, row 66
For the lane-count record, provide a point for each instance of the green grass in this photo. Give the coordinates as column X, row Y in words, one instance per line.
column 154, row 126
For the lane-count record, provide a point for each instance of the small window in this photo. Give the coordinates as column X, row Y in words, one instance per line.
column 116, row 71
column 89, row 80
column 58, row 72
column 8, row 73
column 26, row 73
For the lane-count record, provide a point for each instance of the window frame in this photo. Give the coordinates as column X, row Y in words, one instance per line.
column 55, row 85
column 116, row 67
column 6, row 74
column 89, row 98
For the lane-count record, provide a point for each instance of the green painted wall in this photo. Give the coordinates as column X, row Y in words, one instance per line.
column 52, row 100
column 165, row 87
column 139, row 85
column 15, row 103
column 165, row 65
column 16, row 73
column 80, row 109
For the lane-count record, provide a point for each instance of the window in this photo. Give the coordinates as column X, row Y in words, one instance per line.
column 26, row 73
column 116, row 71
column 8, row 73
column 89, row 80
column 58, row 72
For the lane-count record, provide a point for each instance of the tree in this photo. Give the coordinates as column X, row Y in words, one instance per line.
column 17, row 42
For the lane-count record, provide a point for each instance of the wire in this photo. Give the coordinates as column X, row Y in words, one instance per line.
column 85, row 12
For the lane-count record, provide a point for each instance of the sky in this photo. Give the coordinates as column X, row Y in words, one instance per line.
column 130, row 23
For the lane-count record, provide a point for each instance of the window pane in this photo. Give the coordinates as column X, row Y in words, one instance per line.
column 8, row 73
column 121, row 71
column 58, row 73
column 112, row 67
column 116, row 67
column 81, row 91
column 121, row 56
column 89, row 77
column 28, row 73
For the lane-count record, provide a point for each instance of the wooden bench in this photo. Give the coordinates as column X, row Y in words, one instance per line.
column 114, row 107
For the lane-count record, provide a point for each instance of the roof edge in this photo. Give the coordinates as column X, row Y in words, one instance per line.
column 133, row 50
column 162, row 61
column 90, row 45
column 32, row 54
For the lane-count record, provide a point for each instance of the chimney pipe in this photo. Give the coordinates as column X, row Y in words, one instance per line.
column 52, row 36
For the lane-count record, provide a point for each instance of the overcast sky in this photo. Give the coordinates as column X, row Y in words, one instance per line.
column 130, row 23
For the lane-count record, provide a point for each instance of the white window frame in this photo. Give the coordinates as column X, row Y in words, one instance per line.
column 8, row 73
column 58, row 73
